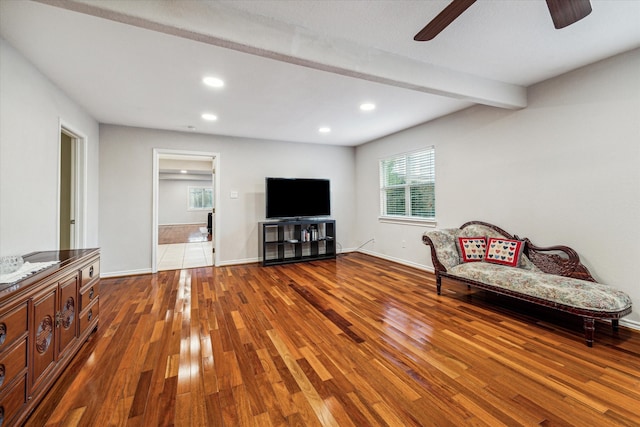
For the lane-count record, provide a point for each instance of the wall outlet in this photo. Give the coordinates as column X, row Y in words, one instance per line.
column 404, row 243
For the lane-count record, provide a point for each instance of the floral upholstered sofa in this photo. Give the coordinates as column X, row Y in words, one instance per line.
column 483, row 255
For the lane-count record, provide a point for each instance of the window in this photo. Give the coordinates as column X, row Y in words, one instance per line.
column 200, row 198
column 407, row 185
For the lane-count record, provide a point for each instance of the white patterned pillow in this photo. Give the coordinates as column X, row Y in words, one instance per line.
column 472, row 249
column 503, row 251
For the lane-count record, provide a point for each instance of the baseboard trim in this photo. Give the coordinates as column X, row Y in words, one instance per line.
column 398, row 261
column 125, row 273
column 631, row 324
column 238, row 262
column 183, row 223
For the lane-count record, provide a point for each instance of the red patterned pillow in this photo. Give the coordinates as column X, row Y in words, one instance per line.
column 472, row 248
column 503, row 251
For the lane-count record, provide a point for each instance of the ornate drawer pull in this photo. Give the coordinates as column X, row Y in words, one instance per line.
column 3, row 333
column 44, row 334
column 91, row 293
column 2, row 374
column 91, row 272
column 68, row 313
column 90, row 315
column 1, row 415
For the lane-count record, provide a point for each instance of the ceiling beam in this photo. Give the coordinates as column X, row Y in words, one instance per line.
column 218, row 25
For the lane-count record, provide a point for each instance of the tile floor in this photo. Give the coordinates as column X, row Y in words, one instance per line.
column 185, row 255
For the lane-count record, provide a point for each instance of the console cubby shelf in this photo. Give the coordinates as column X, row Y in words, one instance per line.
column 302, row 240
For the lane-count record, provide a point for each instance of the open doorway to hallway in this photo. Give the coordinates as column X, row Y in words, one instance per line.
column 71, row 189
column 184, row 209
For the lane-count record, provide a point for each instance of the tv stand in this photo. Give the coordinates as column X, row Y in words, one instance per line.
column 297, row 240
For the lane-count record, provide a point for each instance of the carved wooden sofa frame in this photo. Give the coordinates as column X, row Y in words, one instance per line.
column 559, row 260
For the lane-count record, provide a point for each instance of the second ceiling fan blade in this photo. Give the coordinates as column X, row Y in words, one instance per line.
column 444, row 18
column 566, row 12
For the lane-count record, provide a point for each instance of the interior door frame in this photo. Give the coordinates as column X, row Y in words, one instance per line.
column 79, row 184
column 157, row 153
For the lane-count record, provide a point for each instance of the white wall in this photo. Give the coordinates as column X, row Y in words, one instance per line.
column 173, row 200
column 565, row 170
column 126, row 156
column 31, row 108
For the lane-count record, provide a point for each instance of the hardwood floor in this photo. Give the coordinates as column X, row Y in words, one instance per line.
column 355, row 341
column 168, row 234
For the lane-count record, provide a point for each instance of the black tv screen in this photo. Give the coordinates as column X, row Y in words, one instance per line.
column 297, row 197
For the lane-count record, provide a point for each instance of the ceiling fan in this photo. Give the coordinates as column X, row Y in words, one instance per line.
column 563, row 13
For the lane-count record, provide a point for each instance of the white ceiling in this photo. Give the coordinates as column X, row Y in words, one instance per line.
column 292, row 66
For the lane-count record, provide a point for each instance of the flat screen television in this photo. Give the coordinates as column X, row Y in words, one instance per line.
column 297, row 197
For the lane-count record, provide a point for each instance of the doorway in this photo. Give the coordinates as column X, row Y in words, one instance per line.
column 185, row 197
column 71, row 185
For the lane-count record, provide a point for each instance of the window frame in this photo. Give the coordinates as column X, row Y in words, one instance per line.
column 203, row 189
column 407, row 218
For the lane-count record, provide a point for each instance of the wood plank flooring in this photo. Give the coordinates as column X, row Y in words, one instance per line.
column 355, row 341
column 187, row 233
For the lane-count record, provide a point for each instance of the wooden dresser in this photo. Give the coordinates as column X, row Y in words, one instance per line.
column 44, row 320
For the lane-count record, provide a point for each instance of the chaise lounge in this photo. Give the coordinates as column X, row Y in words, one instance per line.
column 485, row 256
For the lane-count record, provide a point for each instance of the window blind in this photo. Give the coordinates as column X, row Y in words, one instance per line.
column 407, row 184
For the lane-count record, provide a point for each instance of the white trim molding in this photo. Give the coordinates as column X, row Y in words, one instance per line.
column 157, row 153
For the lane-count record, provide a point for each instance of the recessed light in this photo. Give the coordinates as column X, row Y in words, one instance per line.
column 324, row 129
column 367, row 106
column 210, row 117
column 183, row 171
column 213, row 81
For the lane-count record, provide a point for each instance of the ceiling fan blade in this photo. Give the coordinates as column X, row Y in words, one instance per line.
column 567, row 12
column 444, row 18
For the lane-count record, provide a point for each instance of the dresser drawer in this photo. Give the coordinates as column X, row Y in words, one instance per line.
column 87, row 317
column 12, row 325
column 12, row 363
column 90, row 272
column 12, row 401
column 89, row 294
